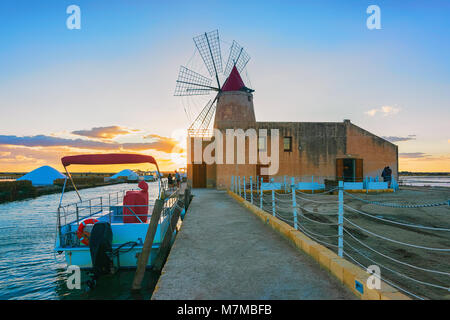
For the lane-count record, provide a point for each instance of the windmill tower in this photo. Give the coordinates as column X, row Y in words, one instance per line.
column 232, row 102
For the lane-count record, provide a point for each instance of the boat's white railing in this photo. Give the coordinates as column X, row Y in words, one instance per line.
column 76, row 211
column 108, row 208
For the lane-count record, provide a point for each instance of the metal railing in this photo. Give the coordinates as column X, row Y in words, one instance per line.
column 338, row 224
column 75, row 212
column 108, row 208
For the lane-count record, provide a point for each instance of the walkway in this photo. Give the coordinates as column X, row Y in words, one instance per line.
column 224, row 252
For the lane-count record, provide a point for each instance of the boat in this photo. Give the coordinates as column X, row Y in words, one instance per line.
column 126, row 214
column 149, row 176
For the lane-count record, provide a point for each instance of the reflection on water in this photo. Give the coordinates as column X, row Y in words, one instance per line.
column 30, row 269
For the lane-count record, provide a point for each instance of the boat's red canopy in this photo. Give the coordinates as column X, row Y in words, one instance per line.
column 110, row 158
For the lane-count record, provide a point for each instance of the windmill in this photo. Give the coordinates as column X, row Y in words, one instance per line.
column 191, row 83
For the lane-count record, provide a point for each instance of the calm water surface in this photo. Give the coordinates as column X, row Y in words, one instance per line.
column 430, row 181
column 30, row 269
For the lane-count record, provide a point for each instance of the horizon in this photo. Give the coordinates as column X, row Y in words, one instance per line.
column 108, row 87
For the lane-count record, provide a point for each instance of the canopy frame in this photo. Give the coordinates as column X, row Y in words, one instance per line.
column 106, row 159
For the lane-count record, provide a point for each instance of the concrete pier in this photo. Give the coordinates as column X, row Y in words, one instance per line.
column 224, row 252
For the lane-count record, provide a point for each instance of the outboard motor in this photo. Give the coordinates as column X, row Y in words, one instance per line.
column 100, row 245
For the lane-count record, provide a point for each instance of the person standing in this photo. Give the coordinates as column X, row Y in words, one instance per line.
column 178, row 178
column 388, row 176
column 384, row 174
column 169, row 181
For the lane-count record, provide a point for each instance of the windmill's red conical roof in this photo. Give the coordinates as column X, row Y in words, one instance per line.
column 234, row 81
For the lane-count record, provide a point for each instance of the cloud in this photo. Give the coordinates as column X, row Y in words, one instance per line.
column 51, row 141
column 412, row 155
column 104, row 132
column 397, row 139
column 159, row 143
column 384, row 110
column 19, row 153
column 165, row 144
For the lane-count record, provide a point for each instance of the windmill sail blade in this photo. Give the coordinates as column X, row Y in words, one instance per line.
column 208, row 45
column 191, row 83
column 203, row 120
column 237, row 57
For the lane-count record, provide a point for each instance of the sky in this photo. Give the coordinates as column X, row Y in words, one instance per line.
column 108, row 87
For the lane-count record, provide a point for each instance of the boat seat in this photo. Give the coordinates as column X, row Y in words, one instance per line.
column 136, row 202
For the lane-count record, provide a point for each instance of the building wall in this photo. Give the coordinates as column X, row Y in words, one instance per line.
column 375, row 151
column 315, row 146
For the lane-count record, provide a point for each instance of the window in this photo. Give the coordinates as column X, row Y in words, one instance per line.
column 262, row 143
column 287, row 143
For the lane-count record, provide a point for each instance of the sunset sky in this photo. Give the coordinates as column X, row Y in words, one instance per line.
column 109, row 86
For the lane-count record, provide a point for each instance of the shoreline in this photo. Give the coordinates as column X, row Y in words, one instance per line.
column 42, row 191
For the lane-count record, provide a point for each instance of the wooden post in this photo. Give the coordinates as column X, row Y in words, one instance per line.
column 165, row 244
column 147, row 247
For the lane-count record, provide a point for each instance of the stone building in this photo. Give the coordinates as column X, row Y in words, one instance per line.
column 319, row 150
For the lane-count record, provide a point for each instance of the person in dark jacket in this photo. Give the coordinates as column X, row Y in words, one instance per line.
column 387, row 175
column 177, row 178
column 169, row 181
column 384, row 174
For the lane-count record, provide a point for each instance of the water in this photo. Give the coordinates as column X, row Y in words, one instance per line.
column 30, row 269
column 430, row 181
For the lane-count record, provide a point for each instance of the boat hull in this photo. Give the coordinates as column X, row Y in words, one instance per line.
column 122, row 234
column 81, row 257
